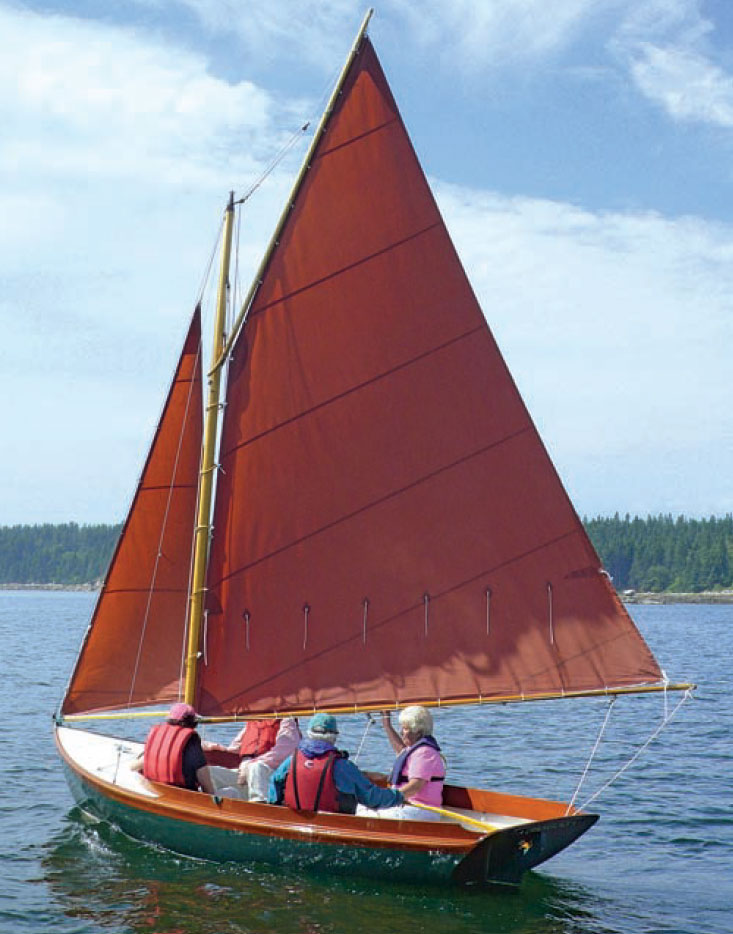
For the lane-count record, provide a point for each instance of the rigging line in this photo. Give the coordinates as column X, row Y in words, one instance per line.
column 184, row 640
column 234, row 291
column 159, row 554
column 611, row 702
column 207, row 273
column 685, row 697
column 275, row 161
column 370, row 720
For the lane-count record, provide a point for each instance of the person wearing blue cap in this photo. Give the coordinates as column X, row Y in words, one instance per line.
column 319, row 777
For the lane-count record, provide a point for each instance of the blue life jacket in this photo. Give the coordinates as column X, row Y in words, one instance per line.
column 398, row 776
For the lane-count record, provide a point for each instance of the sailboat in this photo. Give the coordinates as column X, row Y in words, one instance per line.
column 366, row 519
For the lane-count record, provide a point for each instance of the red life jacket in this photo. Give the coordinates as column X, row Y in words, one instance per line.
column 309, row 785
column 163, row 755
column 259, row 737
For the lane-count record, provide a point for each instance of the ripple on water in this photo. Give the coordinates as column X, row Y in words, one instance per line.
column 659, row 860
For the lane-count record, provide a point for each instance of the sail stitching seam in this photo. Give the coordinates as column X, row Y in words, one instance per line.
column 382, row 499
column 339, row 272
column 356, row 139
column 347, row 392
column 415, row 606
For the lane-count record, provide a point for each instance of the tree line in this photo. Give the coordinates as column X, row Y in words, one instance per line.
column 658, row 553
column 67, row 554
column 664, row 553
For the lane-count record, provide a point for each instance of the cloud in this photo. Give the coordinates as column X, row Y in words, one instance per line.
column 669, row 49
column 91, row 100
column 315, row 31
column 687, row 85
column 479, row 35
column 117, row 153
column 617, row 327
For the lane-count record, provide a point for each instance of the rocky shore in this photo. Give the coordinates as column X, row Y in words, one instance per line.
column 70, row 587
column 711, row 596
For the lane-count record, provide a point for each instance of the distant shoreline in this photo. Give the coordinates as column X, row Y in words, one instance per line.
column 630, row 597
column 707, row 596
column 88, row 588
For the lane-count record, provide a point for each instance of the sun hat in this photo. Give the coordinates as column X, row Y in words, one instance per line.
column 181, row 712
column 323, row 723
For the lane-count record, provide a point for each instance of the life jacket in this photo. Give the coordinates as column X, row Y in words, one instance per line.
column 163, row 754
column 309, row 785
column 259, row 737
column 398, row 776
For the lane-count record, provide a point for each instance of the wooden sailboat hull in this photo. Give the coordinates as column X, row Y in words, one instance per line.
column 194, row 824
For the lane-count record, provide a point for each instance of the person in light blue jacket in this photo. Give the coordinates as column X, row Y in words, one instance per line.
column 325, row 776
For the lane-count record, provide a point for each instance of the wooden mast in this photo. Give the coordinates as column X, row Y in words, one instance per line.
column 206, row 476
column 220, row 352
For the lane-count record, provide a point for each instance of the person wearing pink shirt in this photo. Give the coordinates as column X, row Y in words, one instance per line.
column 251, row 780
column 419, row 769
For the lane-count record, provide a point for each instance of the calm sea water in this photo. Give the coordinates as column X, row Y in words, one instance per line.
column 660, row 861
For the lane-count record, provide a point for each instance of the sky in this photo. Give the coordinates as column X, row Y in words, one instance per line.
column 580, row 152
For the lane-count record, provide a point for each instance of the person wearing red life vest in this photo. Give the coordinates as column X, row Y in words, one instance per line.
column 173, row 753
column 261, row 745
column 319, row 777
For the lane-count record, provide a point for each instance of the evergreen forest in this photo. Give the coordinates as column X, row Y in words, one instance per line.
column 67, row 554
column 655, row 554
column 663, row 553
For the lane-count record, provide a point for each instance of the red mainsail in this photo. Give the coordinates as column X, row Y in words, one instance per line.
column 132, row 652
column 389, row 527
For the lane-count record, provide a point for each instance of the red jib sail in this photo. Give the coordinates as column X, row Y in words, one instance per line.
column 389, row 527
column 132, row 653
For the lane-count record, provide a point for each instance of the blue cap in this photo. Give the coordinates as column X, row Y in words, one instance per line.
column 323, row 723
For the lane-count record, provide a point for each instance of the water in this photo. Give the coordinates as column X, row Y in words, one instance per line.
column 660, row 861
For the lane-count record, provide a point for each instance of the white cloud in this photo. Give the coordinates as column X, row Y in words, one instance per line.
column 669, row 49
column 315, row 31
column 687, row 85
column 85, row 99
column 477, row 35
column 117, row 154
column 617, row 327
